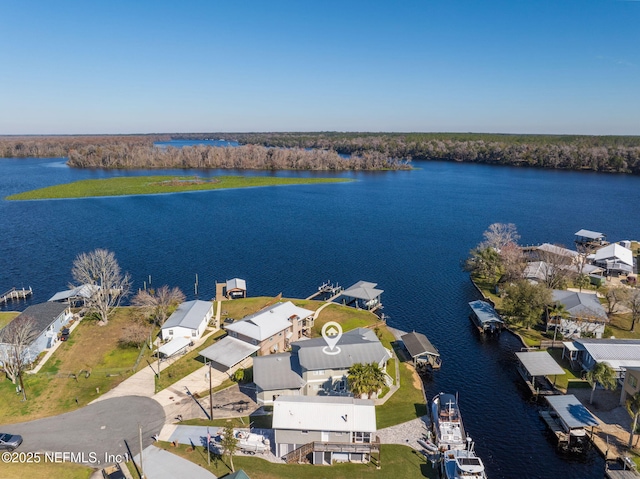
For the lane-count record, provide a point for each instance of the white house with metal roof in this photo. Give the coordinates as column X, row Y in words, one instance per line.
column 614, row 259
column 620, row 354
column 274, row 328
column 345, row 423
column 189, row 320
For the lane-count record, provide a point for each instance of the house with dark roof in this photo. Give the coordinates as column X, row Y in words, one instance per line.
column 585, row 314
column 309, row 371
column 48, row 320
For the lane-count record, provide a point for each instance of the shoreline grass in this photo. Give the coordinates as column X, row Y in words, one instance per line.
column 152, row 185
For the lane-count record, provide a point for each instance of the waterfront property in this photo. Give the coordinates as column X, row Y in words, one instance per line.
column 568, row 419
column 586, row 314
column 424, row 354
column 590, row 239
column 189, row 320
column 75, row 297
column 273, row 328
column 324, row 430
column 620, row 354
column 48, row 320
column 363, row 295
column 486, row 319
column 235, row 288
column 534, row 367
column 308, row 371
column 615, row 259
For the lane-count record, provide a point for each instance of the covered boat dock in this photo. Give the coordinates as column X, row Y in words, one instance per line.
column 486, row 319
column 534, row 367
column 424, row 353
column 363, row 295
column 568, row 419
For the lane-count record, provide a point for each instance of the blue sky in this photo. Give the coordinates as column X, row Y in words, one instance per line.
column 517, row 66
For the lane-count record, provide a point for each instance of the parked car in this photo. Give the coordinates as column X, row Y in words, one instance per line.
column 113, row 472
column 9, row 441
column 64, row 335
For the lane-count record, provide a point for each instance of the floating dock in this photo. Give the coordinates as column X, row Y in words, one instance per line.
column 15, row 294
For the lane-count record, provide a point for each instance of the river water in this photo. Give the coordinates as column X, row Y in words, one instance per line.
column 408, row 231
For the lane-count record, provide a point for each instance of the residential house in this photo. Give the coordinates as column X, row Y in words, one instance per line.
column 585, row 314
column 615, row 259
column 189, row 320
column 48, row 320
column 631, row 385
column 620, row 354
column 273, row 328
column 324, row 429
column 309, row 371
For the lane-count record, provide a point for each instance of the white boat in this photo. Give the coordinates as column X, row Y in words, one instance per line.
column 462, row 464
column 248, row 442
column 448, row 431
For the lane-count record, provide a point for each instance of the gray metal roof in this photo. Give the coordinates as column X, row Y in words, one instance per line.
column 277, row 371
column 618, row 353
column 590, row 234
column 172, row 347
column 582, row 305
column 269, row 321
column 363, row 290
column 357, row 346
column 83, row 291
column 418, row 344
column 485, row 312
column 539, row 363
column 228, row 351
column 43, row 315
column 236, row 283
column 572, row 411
column 189, row 315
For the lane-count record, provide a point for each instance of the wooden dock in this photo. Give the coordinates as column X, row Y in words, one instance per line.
column 563, row 437
column 15, row 294
column 327, row 288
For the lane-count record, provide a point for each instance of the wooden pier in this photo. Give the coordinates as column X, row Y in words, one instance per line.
column 563, row 437
column 327, row 288
column 15, row 294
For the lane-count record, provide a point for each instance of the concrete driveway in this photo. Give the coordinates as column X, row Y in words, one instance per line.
column 96, row 434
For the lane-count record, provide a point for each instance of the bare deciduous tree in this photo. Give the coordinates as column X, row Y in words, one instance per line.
column 100, row 268
column 156, row 304
column 513, row 261
column 15, row 340
column 134, row 334
column 633, row 303
column 558, row 265
column 614, row 295
column 499, row 235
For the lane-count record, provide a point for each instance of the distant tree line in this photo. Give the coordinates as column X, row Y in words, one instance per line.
column 619, row 154
column 321, row 151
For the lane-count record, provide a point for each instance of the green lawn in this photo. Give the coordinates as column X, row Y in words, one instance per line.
column 145, row 185
column 571, row 378
column 42, row 469
column 54, row 390
column 6, row 317
column 396, row 462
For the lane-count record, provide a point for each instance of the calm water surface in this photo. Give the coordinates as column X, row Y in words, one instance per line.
column 407, row 231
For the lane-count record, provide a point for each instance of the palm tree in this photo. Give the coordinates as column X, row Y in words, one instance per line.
column 602, row 374
column 558, row 313
column 633, row 404
column 357, row 379
column 376, row 379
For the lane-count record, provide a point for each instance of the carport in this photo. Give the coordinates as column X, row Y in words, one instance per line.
column 228, row 352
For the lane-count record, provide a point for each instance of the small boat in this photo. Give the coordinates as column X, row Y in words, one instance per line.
column 462, row 464
column 448, row 431
column 248, row 442
column 429, row 447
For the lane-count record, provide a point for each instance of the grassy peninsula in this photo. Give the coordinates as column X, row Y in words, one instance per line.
column 148, row 185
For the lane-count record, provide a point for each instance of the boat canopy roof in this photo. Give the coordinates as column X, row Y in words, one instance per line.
column 485, row 312
column 571, row 411
column 593, row 235
column 539, row 363
column 418, row 344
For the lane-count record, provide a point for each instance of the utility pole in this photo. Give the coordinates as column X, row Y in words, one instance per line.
column 210, row 395
column 141, row 466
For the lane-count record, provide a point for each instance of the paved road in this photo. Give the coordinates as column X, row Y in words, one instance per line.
column 101, row 430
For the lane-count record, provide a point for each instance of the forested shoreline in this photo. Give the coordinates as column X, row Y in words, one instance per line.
column 321, row 151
